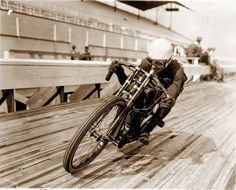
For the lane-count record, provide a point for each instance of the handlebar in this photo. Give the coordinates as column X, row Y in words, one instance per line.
column 109, row 75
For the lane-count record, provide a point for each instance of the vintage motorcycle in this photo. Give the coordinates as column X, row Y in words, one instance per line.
column 107, row 123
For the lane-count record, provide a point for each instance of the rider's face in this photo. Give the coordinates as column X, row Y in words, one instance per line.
column 159, row 65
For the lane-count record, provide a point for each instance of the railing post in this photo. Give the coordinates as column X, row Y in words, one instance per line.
column 98, row 88
column 10, row 100
column 195, row 61
column 61, row 90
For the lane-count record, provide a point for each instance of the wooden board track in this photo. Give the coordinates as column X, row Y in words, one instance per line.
column 195, row 150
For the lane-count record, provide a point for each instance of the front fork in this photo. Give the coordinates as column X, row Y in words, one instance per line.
column 113, row 133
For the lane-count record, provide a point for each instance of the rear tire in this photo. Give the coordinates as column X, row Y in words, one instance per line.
column 88, row 141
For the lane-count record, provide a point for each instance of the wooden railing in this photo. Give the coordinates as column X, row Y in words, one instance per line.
column 28, row 73
column 50, row 77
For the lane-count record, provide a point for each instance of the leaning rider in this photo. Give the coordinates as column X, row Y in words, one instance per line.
column 171, row 75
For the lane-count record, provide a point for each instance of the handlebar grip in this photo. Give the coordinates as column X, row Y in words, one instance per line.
column 109, row 74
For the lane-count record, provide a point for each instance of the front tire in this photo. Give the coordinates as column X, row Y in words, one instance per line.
column 89, row 139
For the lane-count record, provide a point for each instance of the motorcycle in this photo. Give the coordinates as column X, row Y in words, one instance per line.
column 107, row 124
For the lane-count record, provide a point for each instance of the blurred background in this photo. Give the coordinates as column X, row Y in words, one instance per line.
column 213, row 20
column 179, row 21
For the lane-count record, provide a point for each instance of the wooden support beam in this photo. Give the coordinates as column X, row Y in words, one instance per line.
column 26, row 92
column 60, row 91
column 19, row 97
column 109, row 89
column 10, row 100
column 41, row 97
column 97, row 88
column 4, row 96
column 3, row 104
column 82, row 92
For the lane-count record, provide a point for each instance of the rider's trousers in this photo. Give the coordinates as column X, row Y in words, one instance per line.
column 161, row 113
column 134, row 118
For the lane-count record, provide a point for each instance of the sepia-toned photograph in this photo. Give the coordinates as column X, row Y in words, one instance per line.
column 118, row 94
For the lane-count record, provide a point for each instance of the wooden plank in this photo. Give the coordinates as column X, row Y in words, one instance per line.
column 182, row 172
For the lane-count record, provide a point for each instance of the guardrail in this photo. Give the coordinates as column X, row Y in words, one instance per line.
column 229, row 68
column 22, row 74
column 30, row 73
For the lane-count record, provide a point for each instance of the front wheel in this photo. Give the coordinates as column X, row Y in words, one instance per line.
column 89, row 140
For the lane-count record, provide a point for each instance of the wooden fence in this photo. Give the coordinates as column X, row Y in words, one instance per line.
column 37, row 82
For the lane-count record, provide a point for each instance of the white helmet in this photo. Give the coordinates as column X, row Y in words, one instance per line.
column 160, row 49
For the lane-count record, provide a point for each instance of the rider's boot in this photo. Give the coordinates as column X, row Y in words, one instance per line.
column 152, row 123
column 144, row 137
column 122, row 142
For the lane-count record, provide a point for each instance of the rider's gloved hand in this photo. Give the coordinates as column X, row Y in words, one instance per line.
column 167, row 102
column 115, row 67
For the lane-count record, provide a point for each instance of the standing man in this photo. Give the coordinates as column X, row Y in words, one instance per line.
column 194, row 49
column 86, row 55
column 74, row 54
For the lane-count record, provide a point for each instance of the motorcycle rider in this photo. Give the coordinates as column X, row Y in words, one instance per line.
column 171, row 75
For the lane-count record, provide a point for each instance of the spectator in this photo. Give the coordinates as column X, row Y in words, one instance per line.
column 205, row 57
column 74, row 54
column 194, row 49
column 86, row 55
column 205, row 60
column 199, row 40
column 208, row 58
column 218, row 74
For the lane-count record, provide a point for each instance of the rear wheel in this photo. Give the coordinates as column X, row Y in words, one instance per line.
column 89, row 140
